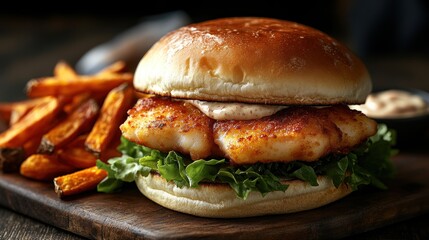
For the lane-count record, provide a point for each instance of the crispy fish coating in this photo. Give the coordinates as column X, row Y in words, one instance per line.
column 170, row 125
column 295, row 133
column 354, row 125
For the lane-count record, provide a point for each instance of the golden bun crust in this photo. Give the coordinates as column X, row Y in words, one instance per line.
column 220, row 201
column 254, row 60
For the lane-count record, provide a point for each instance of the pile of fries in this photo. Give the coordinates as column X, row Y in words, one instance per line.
column 68, row 122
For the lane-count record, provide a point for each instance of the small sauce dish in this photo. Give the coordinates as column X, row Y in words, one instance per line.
column 403, row 109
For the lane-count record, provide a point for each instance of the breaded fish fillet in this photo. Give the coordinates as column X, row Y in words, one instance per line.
column 170, row 125
column 295, row 133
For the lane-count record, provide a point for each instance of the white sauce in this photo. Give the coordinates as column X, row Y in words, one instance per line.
column 392, row 104
column 235, row 111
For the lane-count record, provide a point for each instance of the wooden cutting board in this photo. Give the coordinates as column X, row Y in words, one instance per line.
column 129, row 215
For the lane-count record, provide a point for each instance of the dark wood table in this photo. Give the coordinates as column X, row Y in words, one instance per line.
column 30, row 48
column 17, row 226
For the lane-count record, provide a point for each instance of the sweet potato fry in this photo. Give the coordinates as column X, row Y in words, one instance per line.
column 74, row 102
column 64, row 71
column 112, row 113
column 112, row 150
column 78, row 142
column 77, row 182
column 31, row 146
column 57, row 131
column 31, row 125
column 18, row 113
column 109, row 153
column 11, row 158
column 44, row 167
column 77, row 157
column 62, row 134
column 51, row 86
column 7, row 109
column 22, row 108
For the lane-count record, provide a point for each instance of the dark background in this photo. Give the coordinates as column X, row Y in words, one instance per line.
column 391, row 36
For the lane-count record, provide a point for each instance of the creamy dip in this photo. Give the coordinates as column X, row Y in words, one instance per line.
column 235, row 111
column 392, row 104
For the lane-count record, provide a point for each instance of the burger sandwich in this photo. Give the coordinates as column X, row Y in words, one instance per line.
column 249, row 116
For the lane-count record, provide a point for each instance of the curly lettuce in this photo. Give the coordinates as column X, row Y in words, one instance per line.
column 367, row 165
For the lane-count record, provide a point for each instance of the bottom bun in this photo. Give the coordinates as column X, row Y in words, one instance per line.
column 220, row 201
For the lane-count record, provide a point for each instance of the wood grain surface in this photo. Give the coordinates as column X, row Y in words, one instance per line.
column 129, row 215
column 16, row 226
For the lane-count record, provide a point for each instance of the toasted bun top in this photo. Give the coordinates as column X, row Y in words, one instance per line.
column 254, row 60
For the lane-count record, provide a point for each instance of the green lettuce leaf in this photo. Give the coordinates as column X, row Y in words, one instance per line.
column 336, row 170
column 306, row 173
column 110, row 183
column 202, row 170
column 367, row 165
